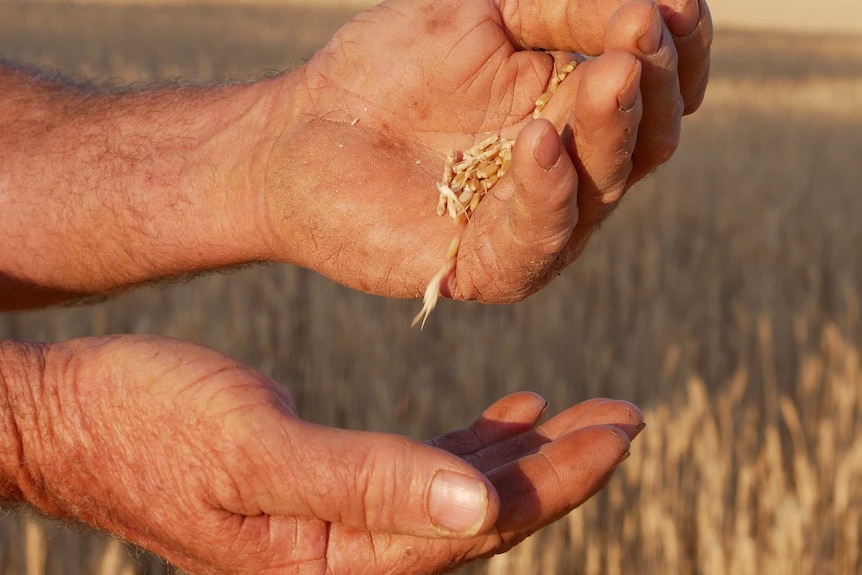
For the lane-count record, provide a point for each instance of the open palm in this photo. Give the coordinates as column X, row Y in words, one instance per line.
column 204, row 461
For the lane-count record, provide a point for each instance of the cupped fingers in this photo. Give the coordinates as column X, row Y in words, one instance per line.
column 690, row 23
column 509, row 248
column 608, row 120
column 601, row 134
column 540, row 488
column 638, row 28
column 620, row 414
column 505, row 418
column 554, row 25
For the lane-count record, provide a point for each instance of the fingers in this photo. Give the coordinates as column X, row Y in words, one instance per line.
column 638, row 28
column 607, row 126
column 551, row 25
column 370, row 481
column 540, row 488
column 510, row 416
column 606, row 121
column 583, row 445
column 582, row 26
column 620, row 414
column 517, row 233
column 691, row 25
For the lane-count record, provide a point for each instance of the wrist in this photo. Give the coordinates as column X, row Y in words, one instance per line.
column 22, row 370
column 277, row 119
column 51, row 454
column 227, row 220
column 311, row 170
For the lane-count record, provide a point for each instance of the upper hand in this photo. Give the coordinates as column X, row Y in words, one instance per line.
column 187, row 453
column 350, row 184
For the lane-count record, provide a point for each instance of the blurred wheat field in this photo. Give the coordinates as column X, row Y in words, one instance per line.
column 724, row 297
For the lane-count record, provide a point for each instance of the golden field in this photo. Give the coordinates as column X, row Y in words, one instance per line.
column 724, row 297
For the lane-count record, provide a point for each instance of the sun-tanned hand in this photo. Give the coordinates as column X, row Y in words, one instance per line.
column 401, row 84
column 204, row 461
column 333, row 166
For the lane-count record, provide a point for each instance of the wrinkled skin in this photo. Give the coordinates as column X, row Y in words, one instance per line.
column 204, row 461
column 401, row 84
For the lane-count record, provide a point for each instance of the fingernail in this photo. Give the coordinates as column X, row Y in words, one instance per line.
column 458, row 503
column 650, row 39
column 628, row 94
column 624, row 456
column 548, row 149
column 685, row 20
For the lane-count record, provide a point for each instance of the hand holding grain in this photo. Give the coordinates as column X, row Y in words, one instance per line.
column 204, row 461
column 334, row 166
column 351, row 186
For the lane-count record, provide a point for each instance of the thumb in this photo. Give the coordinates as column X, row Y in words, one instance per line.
column 535, row 222
column 371, row 481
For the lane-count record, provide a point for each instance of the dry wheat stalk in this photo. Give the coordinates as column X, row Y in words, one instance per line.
column 432, row 292
column 467, row 177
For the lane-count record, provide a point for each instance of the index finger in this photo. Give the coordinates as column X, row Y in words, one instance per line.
column 574, row 25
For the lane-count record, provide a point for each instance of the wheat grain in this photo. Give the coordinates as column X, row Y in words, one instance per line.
column 468, row 175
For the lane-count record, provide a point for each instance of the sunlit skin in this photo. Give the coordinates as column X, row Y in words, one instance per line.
column 467, row 76
column 333, row 166
column 205, row 461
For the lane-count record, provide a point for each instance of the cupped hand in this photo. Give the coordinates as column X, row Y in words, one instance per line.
column 350, row 185
column 183, row 451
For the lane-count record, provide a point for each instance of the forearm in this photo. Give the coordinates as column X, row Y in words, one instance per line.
column 101, row 190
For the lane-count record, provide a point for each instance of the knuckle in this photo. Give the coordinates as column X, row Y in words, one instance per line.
column 612, row 196
column 377, row 484
column 659, row 148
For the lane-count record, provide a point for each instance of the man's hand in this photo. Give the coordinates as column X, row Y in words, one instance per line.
column 204, row 461
column 350, row 185
column 333, row 166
